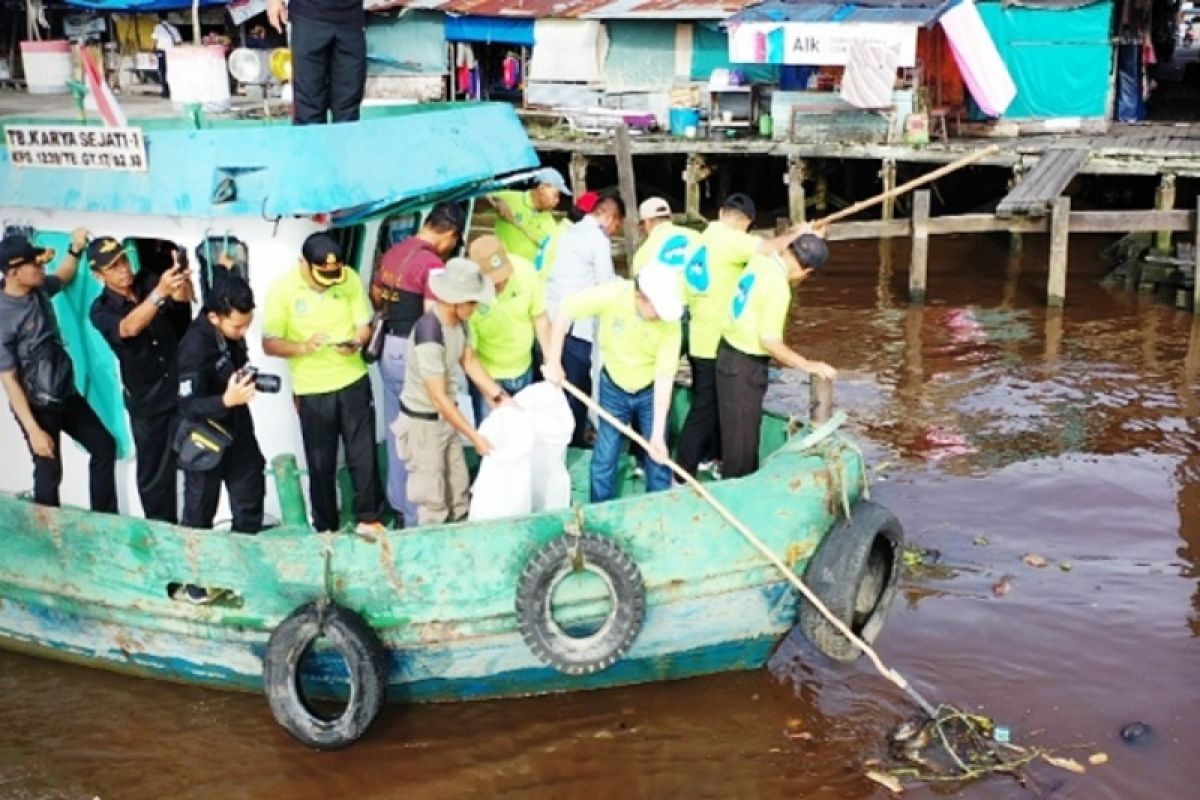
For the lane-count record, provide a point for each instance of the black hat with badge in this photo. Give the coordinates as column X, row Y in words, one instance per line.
column 325, row 256
column 103, row 252
column 17, row 250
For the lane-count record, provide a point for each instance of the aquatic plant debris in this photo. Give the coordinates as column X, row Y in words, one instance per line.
column 958, row 746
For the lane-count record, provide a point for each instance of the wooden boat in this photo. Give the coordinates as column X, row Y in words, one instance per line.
column 456, row 612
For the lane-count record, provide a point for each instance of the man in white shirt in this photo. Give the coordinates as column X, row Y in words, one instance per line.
column 165, row 36
column 583, row 260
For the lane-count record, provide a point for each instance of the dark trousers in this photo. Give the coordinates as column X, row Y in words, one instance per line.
column 154, row 437
column 241, row 471
column 577, row 366
column 77, row 419
column 701, row 436
column 329, row 71
column 348, row 416
column 161, row 55
column 741, row 387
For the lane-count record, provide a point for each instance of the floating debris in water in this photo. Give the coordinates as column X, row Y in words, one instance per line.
column 1002, row 586
column 1034, row 560
column 980, row 541
column 1066, row 566
column 1137, row 733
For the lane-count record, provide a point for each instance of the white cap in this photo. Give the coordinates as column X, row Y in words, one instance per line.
column 663, row 287
column 654, row 208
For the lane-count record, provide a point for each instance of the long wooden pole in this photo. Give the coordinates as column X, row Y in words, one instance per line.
column 890, row 674
column 940, row 172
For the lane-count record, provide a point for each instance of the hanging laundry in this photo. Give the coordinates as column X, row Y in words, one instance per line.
column 511, row 71
column 465, row 65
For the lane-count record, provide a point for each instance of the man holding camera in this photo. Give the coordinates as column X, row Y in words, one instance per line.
column 318, row 318
column 38, row 376
column 142, row 317
column 214, row 391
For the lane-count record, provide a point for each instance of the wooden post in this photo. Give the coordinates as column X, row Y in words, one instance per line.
column 695, row 172
column 1196, row 265
column 1060, row 220
column 627, row 183
column 795, row 184
column 918, row 266
column 1016, row 239
column 883, row 286
column 820, row 405
column 1164, row 200
column 821, row 195
column 578, row 170
column 1052, row 348
column 888, row 173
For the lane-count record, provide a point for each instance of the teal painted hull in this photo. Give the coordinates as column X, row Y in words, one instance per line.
column 94, row 589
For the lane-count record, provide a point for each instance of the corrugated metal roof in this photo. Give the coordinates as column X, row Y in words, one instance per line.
column 590, row 9
column 895, row 12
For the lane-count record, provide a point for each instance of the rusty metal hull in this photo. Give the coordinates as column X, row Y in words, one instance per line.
column 94, row 589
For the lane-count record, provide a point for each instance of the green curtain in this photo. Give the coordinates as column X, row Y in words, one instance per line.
column 1060, row 60
column 641, row 55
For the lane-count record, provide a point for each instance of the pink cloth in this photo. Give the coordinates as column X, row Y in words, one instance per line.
column 982, row 68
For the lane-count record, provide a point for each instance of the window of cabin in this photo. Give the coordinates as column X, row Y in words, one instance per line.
column 208, row 256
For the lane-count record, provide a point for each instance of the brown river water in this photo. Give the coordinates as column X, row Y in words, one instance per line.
column 996, row 430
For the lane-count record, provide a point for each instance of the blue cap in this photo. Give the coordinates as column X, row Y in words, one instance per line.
column 553, row 177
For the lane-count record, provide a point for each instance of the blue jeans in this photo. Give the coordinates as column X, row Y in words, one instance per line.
column 577, row 367
column 391, row 371
column 510, row 385
column 636, row 409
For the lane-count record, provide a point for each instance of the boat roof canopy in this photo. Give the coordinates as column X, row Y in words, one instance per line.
column 416, row 155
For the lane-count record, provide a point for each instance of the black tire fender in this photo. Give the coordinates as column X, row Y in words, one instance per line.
column 366, row 665
column 854, row 572
column 580, row 655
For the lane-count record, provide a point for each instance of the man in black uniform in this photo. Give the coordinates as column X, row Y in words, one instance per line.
column 142, row 318
column 213, row 387
column 329, row 57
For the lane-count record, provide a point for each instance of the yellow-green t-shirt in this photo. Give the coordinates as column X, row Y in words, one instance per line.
column 502, row 331
column 725, row 253
column 526, row 220
column 634, row 350
column 295, row 312
column 547, row 251
column 759, row 308
column 668, row 244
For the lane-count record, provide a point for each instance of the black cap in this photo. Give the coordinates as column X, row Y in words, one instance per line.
column 17, row 250
column 810, row 250
column 741, row 202
column 323, row 252
column 103, row 252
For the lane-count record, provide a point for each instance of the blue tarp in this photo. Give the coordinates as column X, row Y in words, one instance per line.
column 141, row 5
column 489, row 30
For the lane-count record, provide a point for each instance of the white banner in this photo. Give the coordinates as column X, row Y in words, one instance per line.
column 816, row 43
column 76, row 147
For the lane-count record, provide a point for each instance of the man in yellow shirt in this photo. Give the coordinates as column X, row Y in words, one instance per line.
column 753, row 334
column 639, row 335
column 665, row 243
column 503, row 330
column 524, row 217
column 318, row 318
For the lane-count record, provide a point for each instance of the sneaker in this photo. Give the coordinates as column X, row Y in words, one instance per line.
column 713, row 468
column 370, row 528
column 189, row 593
column 638, row 472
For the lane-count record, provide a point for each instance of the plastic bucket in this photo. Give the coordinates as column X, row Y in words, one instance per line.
column 197, row 75
column 683, row 118
column 47, row 66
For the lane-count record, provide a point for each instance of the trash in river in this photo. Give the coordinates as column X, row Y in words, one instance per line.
column 980, row 541
column 1002, row 734
column 1034, row 560
column 1001, row 587
column 1137, row 733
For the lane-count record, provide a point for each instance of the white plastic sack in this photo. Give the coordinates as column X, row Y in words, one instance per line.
column 503, row 487
column 553, row 424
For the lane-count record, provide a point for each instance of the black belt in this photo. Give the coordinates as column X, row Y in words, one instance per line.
column 418, row 414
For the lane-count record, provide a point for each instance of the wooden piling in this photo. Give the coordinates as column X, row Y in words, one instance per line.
column 1016, row 239
column 820, row 405
column 1164, row 200
column 795, row 183
column 888, row 173
column 628, row 186
column 1196, row 264
column 821, row 195
column 1060, row 221
column 1052, row 347
column 578, row 170
column 695, row 172
column 918, row 265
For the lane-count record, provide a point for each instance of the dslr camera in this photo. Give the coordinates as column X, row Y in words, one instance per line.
column 263, row 381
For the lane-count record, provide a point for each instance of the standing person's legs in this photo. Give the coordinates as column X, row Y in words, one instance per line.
column 244, row 469
column 201, row 491
column 658, row 476
column 606, row 454
column 458, row 480
column 391, row 370
column 47, row 472
column 161, row 57
column 702, row 425
column 356, row 420
column 577, row 366
column 154, row 438
column 81, row 424
column 312, row 44
column 319, row 425
column 347, row 72
column 423, row 444
column 741, row 387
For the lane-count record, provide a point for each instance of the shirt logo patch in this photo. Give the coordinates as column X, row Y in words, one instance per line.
column 742, row 296
column 185, row 388
column 696, row 271
column 673, row 251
